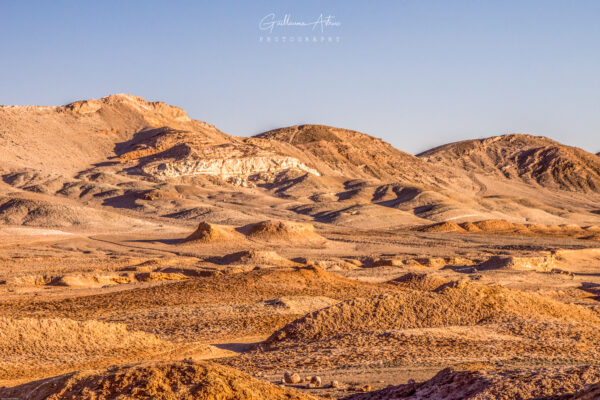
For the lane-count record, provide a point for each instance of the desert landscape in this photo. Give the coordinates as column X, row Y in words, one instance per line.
column 148, row 255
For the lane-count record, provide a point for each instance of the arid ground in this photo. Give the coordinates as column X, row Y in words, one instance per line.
column 146, row 255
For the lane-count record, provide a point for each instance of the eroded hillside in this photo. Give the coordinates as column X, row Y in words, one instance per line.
column 146, row 255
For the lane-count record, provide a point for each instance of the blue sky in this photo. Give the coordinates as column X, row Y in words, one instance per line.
column 415, row 73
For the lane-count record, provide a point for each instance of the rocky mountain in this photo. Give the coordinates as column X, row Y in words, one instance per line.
column 72, row 137
column 355, row 155
column 157, row 139
column 138, row 160
column 532, row 159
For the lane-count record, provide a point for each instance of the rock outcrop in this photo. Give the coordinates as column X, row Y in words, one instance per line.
column 239, row 171
column 167, row 153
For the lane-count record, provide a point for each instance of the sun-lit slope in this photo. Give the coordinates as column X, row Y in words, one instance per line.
column 38, row 347
column 66, row 139
column 457, row 305
column 534, row 160
column 456, row 322
column 351, row 154
column 158, row 380
column 134, row 156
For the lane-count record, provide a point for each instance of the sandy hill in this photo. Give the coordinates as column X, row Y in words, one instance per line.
column 351, row 154
column 531, row 159
column 456, row 322
column 39, row 347
column 286, row 231
column 149, row 160
column 283, row 232
column 159, row 380
column 213, row 233
column 72, row 137
column 447, row 306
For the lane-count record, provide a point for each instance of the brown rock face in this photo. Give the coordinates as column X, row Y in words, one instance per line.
column 531, row 159
column 342, row 152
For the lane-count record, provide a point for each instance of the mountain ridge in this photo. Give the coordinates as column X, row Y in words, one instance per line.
column 532, row 159
column 136, row 156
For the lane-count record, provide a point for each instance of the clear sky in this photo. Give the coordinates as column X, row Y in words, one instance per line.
column 416, row 73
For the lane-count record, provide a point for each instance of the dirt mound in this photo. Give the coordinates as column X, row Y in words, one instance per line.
column 18, row 211
column 213, row 233
column 570, row 227
column 158, row 194
column 159, row 380
column 274, row 230
column 541, row 263
column 503, row 227
column 256, row 257
column 495, row 225
column 33, row 347
column 442, row 227
column 530, row 159
column 439, row 262
column 470, row 227
column 93, row 280
column 300, row 304
column 331, row 263
column 490, row 384
column 459, row 304
column 420, row 281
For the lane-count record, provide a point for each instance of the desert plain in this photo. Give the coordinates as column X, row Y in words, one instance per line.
column 148, row 255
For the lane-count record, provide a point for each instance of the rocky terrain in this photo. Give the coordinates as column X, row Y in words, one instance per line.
column 147, row 255
column 531, row 159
